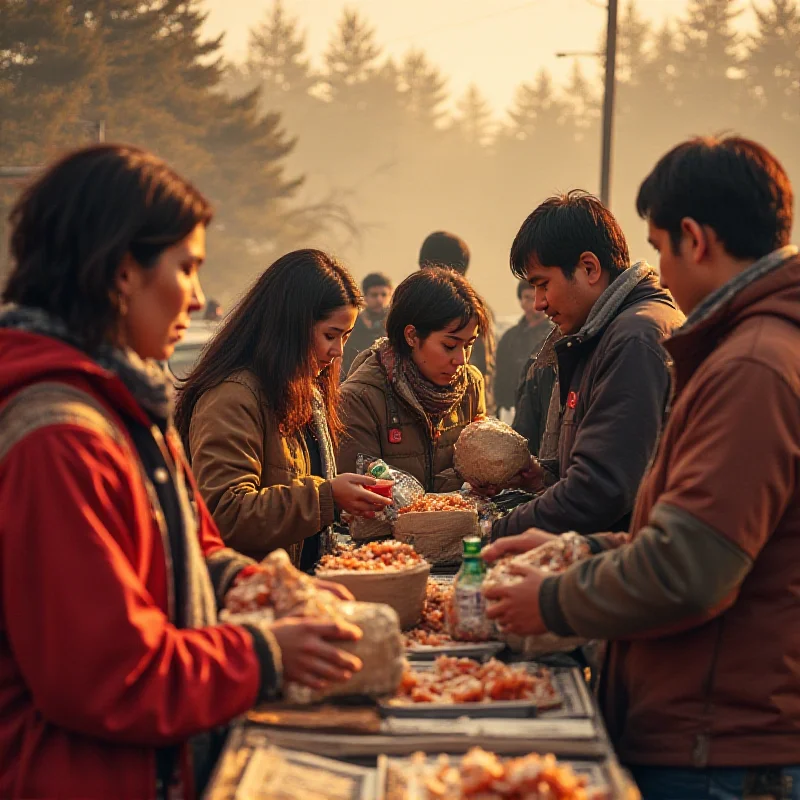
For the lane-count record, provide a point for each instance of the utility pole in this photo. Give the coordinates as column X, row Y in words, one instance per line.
column 608, row 104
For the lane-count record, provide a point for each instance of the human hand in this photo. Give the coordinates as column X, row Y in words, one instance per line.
column 351, row 496
column 513, row 545
column 515, row 607
column 531, row 479
column 336, row 589
column 309, row 657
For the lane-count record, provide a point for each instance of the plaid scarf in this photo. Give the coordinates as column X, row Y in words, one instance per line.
column 404, row 376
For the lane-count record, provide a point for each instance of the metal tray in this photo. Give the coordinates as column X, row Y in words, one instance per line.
column 253, row 768
column 390, row 707
column 600, row 782
column 480, row 651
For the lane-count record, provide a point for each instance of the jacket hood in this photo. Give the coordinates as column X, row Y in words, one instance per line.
column 371, row 373
column 769, row 287
column 28, row 358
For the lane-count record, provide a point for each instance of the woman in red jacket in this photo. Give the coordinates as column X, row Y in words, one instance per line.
column 111, row 657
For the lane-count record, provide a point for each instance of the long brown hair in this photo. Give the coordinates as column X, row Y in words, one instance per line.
column 270, row 332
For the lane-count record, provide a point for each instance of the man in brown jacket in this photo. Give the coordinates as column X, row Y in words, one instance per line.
column 701, row 687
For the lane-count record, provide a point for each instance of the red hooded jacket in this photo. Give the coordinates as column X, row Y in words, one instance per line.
column 93, row 675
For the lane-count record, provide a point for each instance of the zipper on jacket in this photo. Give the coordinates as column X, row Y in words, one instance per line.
column 702, row 741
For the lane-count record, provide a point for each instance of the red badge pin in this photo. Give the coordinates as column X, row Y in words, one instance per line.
column 395, row 436
column 572, row 400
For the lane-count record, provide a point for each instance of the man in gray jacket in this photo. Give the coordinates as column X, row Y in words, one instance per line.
column 605, row 410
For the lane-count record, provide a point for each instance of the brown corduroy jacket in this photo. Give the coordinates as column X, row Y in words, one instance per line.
column 255, row 481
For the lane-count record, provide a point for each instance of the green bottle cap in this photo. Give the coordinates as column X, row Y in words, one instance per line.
column 472, row 546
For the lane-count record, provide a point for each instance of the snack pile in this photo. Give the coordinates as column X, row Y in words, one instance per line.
column 439, row 502
column 481, row 774
column 464, row 680
column 431, row 629
column 385, row 556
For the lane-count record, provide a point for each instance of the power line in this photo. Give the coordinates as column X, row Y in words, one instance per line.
column 464, row 23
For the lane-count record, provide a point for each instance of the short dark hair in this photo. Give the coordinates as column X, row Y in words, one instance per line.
column 430, row 300
column 562, row 228
column 443, row 249
column 524, row 285
column 375, row 279
column 733, row 185
column 71, row 228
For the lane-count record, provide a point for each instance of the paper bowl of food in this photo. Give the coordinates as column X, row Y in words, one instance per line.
column 387, row 572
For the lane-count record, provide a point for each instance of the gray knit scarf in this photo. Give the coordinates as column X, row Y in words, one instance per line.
column 320, row 431
column 145, row 380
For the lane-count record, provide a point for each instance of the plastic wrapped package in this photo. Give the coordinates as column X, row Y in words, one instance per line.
column 280, row 590
column 555, row 557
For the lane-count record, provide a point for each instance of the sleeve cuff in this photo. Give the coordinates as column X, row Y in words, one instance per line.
column 550, row 607
column 268, row 652
column 223, row 567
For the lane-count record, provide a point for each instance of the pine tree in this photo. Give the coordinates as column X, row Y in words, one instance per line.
column 422, row 87
column 708, row 66
column 351, row 60
column 474, row 117
column 276, row 57
column 537, row 111
column 772, row 65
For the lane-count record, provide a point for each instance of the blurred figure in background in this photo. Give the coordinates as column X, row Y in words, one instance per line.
column 443, row 249
column 517, row 346
column 371, row 323
column 213, row 311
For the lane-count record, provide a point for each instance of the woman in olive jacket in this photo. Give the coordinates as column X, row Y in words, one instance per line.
column 259, row 412
column 408, row 398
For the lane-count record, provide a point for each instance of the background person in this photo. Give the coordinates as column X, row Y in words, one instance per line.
column 111, row 657
column 443, row 249
column 517, row 345
column 408, row 398
column 371, row 323
column 259, row 413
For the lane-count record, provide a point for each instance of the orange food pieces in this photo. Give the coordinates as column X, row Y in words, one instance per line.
column 439, row 502
column 464, row 680
column 373, row 557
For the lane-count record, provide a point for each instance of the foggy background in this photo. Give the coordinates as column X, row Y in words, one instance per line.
column 361, row 129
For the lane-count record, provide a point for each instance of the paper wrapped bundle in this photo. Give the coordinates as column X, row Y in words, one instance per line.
column 555, row 557
column 489, row 452
column 281, row 590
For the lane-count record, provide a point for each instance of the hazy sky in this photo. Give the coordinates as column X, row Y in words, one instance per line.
column 493, row 43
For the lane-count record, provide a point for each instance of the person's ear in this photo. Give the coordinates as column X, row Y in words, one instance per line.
column 694, row 239
column 126, row 281
column 410, row 334
column 589, row 263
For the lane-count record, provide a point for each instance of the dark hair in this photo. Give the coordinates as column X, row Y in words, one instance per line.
column 375, row 279
column 524, row 285
column 562, row 228
column 72, row 227
column 269, row 332
column 443, row 249
column 430, row 300
column 733, row 185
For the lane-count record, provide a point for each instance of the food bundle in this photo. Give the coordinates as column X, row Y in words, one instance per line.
column 373, row 557
column 436, row 524
column 278, row 590
column 554, row 556
column 481, row 774
column 464, row 680
column 489, row 452
column 382, row 572
column 430, row 631
column 439, row 502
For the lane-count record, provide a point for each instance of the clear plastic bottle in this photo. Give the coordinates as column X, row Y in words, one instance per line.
column 466, row 614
